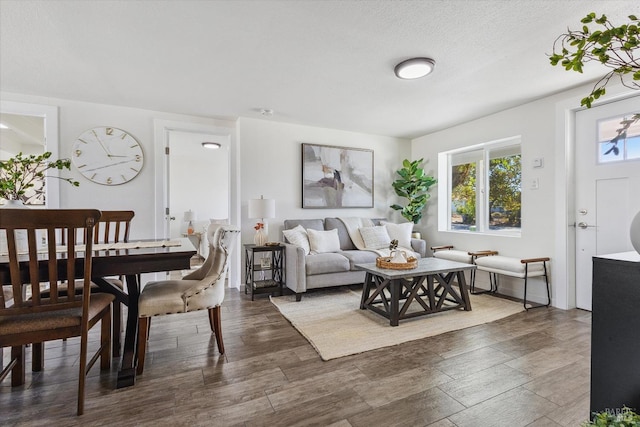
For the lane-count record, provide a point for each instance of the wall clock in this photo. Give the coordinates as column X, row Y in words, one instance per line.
column 107, row 156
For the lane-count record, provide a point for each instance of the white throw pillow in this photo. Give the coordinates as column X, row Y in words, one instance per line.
column 375, row 237
column 400, row 232
column 323, row 241
column 298, row 236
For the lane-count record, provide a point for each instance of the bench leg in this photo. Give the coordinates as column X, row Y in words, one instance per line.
column 546, row 280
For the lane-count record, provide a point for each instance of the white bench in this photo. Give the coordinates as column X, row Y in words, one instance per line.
column 448, row 253
column 515, row 267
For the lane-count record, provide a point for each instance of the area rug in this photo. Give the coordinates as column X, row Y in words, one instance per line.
column 331, row 320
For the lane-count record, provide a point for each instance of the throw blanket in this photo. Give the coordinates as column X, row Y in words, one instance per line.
column 353, row 225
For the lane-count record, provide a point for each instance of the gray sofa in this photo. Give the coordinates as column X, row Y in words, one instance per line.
column 303, row 272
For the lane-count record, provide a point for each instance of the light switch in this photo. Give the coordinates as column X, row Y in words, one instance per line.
column 535, row 184
column 538, row 162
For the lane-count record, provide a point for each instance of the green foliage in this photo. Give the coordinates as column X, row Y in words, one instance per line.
column 624, row 418
column 21, row 173
column 463, row 191
column 414, row 185
column 613, row 46
column 505, row 179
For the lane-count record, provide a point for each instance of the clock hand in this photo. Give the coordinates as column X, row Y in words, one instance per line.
column 108, row 166
column 101, row 144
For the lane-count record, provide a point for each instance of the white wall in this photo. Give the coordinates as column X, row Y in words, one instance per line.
column 546, row 129
column 271, row 159
column 138, row 195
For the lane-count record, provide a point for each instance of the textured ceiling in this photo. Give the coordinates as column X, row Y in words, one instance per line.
column 319, row 63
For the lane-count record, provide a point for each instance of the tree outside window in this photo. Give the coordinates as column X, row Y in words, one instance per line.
column 497, row 209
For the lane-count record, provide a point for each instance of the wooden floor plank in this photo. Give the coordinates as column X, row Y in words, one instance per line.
column 528, row 369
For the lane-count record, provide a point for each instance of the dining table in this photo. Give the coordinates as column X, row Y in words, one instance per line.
column 130, row 260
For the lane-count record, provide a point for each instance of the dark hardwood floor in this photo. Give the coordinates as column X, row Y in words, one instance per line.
column 531, row 369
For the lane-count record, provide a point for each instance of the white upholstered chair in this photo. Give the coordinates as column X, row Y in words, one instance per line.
column 202, row 289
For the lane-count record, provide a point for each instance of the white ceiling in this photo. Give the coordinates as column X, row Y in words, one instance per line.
column 320, row 63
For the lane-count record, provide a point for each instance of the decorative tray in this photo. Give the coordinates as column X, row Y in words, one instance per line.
column 383, row 262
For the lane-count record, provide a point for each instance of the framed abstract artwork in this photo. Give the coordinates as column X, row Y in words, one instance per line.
column 336, row 177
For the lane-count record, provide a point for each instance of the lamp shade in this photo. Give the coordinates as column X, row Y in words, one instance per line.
column 262, row 208
column 189, row 216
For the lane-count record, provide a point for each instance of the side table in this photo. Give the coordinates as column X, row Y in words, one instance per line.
column 264, row 269
column 196, row 239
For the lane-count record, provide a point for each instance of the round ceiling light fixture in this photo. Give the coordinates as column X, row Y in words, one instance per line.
column 414, row 68
column 211, row 145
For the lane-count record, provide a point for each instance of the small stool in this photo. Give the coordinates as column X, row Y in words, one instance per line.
column 514, row 267
column 448, row 253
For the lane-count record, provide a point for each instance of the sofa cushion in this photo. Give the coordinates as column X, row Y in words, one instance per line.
column 315, row 224
column 323, row 241
column 330, row 262
column 298, row 236
column 375, row 237
column 359, row 257
column 400, row 232
column 336, row 224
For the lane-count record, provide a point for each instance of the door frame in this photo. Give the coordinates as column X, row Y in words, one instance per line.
column 162, row 128
column 563, row 269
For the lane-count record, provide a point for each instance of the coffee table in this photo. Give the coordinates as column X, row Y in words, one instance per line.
column 429, row 288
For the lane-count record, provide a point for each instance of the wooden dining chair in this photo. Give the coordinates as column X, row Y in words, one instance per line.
column 203, row 289
column 113, row 227
column 37, row 319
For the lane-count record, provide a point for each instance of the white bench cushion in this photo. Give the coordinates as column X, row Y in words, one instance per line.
column 508, row 266
column 453, row 255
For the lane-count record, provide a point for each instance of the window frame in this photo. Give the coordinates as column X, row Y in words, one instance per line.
column 445, row 170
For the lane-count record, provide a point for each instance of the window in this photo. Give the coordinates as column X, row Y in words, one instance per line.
column 619, row 139
column 483, row 188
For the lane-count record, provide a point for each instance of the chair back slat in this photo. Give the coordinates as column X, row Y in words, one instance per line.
column 113, row 227
column 51, row 263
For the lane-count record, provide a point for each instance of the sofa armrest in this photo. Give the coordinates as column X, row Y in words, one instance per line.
column 295, row 268
column 419, row 246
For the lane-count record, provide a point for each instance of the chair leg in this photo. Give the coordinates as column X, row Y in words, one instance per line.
column 117, row 328
column 143, row 328
column 82, row 374
column 37, row 356
column 216, row 326
column 546, row 279
column 18, row 371
column 105, row 339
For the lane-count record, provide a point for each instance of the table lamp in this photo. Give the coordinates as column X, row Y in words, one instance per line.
column 260, row 209
column 189, row 216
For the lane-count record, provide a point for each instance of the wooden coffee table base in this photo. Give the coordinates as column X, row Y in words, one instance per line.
column 424, row 293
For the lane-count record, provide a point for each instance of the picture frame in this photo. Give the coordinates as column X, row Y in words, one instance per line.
column 335, row 177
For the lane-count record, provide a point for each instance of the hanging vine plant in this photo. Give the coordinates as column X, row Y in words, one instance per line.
column 601, row 41
column 615, row 47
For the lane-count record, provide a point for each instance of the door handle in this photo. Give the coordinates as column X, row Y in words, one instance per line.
column 584, row 225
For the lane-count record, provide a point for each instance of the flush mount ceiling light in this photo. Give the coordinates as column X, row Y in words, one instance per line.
column 414, row 68
column 211, row 145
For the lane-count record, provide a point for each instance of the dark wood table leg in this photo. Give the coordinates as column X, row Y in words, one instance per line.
column 463, row 291
column 394, row 288
column 366, row 289
column 127, row 373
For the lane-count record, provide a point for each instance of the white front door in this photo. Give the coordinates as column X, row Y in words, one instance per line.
column 607, row 187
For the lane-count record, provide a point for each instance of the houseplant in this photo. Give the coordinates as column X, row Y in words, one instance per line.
column 414, row 185
column 624, row 418
column 22, row 173
column 612, row 46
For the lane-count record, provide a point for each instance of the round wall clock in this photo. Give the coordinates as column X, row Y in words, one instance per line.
column 107, row 156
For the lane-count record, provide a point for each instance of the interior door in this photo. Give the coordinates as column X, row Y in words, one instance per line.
column 607, row 187
column 198, row 181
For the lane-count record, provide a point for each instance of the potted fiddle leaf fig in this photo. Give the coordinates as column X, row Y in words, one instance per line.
column 23, row 174
column 413, row 185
